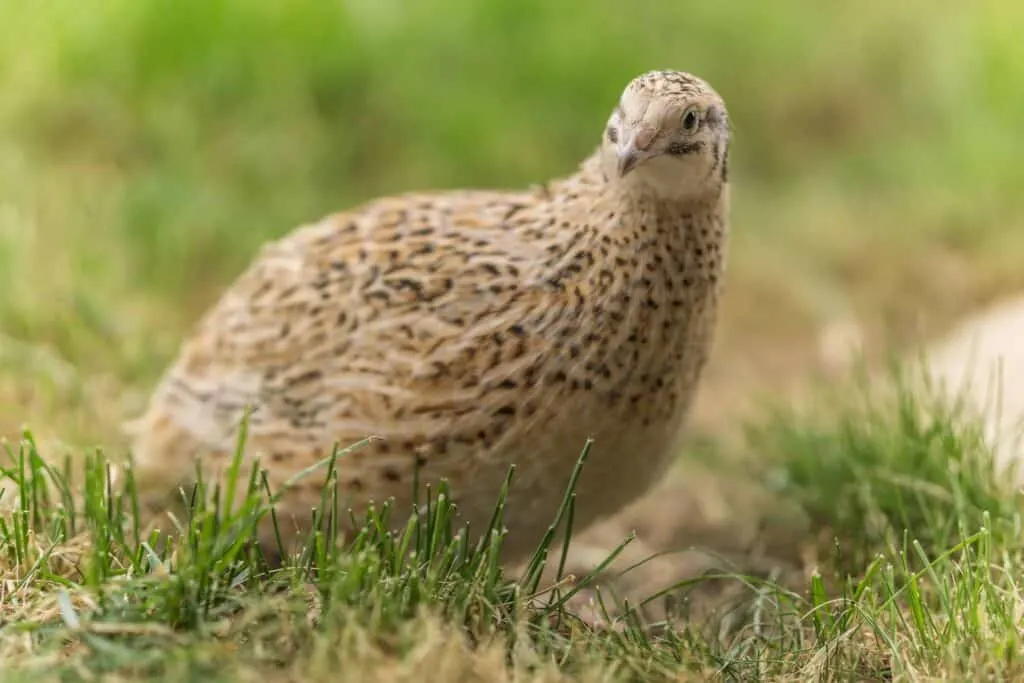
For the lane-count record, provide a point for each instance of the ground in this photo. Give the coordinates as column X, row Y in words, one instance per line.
column 147, row 149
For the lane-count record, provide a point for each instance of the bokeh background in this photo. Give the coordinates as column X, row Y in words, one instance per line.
column 148, row 147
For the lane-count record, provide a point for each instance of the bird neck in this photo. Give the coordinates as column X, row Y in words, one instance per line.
column 660, row 240
column 635, row 245
column 632, row 293
column 631, row 239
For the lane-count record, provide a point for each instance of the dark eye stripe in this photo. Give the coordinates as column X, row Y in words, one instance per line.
column 613, row 135
column 725, row 163
column 679, row 149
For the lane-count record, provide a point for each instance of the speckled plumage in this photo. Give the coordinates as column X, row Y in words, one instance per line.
column 474, row 329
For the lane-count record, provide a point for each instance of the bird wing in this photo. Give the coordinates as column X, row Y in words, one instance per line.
column 369, row 320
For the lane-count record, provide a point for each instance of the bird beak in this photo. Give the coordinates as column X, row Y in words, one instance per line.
column 629, row 157
column 634, row 150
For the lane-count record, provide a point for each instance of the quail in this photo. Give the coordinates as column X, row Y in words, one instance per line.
column 470, row 330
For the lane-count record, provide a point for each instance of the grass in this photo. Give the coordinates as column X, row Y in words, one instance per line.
column 148, row 148
column 918, row 579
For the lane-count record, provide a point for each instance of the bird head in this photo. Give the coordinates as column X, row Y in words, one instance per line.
column 669, row 136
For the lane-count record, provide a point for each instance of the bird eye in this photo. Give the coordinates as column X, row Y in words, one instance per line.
column 690, row 120
column 613, row 135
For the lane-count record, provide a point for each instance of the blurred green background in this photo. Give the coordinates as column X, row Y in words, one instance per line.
column 147, row 147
